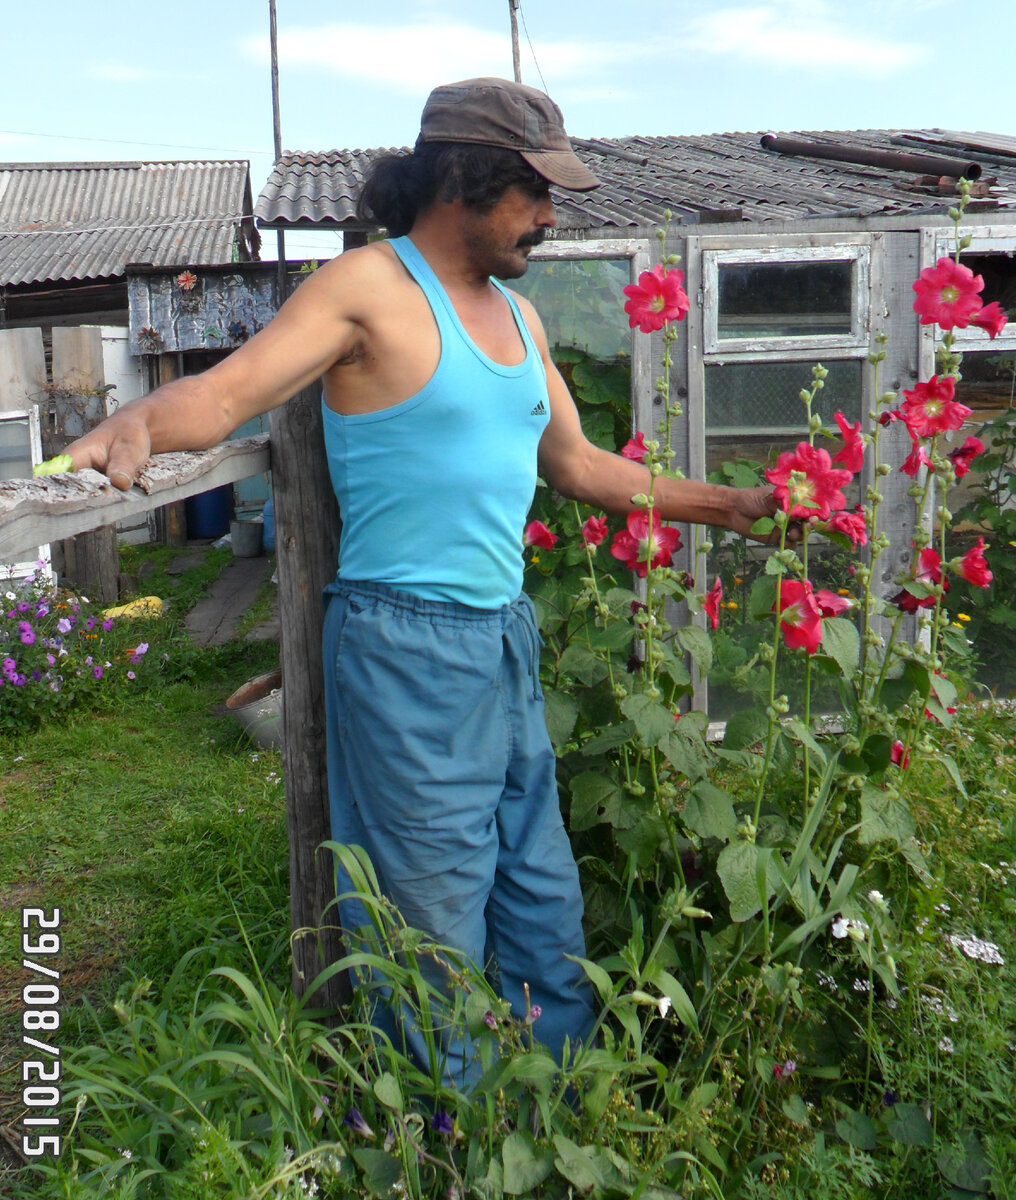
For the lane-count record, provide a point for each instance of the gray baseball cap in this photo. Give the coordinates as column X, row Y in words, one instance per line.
column 497, row 112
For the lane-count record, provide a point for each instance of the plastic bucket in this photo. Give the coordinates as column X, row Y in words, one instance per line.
column 257, row 706
column 246, row 538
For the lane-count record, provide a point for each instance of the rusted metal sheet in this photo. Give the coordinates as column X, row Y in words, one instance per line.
column 199, row 309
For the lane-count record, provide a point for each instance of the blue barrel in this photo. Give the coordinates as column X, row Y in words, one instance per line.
column 269, row 518
column 209, row 514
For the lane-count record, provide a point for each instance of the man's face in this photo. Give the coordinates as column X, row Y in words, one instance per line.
column 500, row 238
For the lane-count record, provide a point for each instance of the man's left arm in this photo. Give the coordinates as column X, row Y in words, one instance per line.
column 573, row 466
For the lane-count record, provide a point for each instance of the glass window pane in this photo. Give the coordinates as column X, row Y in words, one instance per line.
column 766, row 300
column 999, row 274
column 753, row 406
column 15, row 449
column 754, row 412
column 581, row 305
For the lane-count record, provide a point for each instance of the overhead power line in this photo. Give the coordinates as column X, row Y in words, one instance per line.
column 73, row 137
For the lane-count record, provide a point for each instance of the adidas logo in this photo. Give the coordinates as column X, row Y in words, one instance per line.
column 539, row 411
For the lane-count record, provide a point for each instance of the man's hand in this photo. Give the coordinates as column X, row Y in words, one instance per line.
column 119, row 447
column 748, row 505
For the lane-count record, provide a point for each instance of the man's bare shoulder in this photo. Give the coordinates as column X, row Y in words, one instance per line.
column 356, row 280
column 531, row 318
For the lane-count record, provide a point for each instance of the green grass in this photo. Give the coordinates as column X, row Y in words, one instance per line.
column 154, row 826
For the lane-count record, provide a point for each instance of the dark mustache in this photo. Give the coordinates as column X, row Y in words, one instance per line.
column 532, row 239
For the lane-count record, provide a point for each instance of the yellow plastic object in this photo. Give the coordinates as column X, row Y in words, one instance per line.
column 144, row 606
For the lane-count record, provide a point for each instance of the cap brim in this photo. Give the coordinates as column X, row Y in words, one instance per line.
column 563, row 168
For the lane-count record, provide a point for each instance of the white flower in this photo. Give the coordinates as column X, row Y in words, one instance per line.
column 945, row 1044
column 664, row 1005
column 840, row 927
column 862, row 985
column 974, row 947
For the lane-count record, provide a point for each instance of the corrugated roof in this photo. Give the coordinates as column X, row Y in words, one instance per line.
column 723, row 176
column 76, row 221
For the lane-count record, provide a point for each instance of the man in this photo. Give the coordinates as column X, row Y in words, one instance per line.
column 440, row 404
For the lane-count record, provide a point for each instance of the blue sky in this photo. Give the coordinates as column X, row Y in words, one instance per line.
column 126, row 80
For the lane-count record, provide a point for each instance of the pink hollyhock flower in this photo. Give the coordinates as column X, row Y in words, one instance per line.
column 962, row 457
column 642, row 545
column 814, row 490
column 852, row 454
column 974, row 567
column 537, row 534
column 594, row 530
column 657, row 298
column 930, row 408
column 928, row 570
column 830, row 604
column 800, row 615
column 853, row 524
column 635, row 448
column 992, row 318
column 899, row 755
column 711, row 602
column 948, row 295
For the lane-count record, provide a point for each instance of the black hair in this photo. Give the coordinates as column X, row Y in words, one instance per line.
column 399, row 187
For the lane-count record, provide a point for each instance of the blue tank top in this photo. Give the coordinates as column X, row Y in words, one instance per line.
column 433, row 492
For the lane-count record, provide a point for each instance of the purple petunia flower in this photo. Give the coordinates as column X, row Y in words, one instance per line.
column 27, row 633
column 442, row 1123
column 97, row 672
column 63, row 625
column 356, row 1122
column 107, row 625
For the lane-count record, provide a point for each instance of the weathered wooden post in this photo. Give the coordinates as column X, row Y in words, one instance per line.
column 307, row 540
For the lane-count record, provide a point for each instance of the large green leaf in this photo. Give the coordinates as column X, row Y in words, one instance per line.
column 749, row 878
column 883, row 819
column 581, row 664
column 526, row 1165
column 699, row 645
column 609, row 738
column 686, row 751
column 910, row 1126
column 578, row 1164
column 595, row 798
column 561, row 711
column 745, row 728
column 857, row 1130
column 645, row 839
column 709, row 812
column 387, row 1090
column 652, row 719
column 841, row 641
column 381, row 1171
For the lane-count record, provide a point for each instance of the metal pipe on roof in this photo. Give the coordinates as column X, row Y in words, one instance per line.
column 921, row 164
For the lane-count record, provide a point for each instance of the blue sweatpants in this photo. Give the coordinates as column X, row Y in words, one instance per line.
column 440, row 766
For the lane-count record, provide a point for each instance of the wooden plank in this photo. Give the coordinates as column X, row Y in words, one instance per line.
column 33, row 511
column 77, row 359
column 306, row 540
column 23, row 377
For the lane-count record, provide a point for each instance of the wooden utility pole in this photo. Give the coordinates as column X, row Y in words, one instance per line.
column 513, row 8
column 273, row 37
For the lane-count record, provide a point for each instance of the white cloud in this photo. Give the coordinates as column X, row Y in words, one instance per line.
column 801, row 34
column 411, row 57
column 120, row 73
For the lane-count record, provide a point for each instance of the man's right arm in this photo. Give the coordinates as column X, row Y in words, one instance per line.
column 318, row 325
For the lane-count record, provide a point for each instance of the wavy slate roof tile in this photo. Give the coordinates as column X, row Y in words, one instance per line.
column 76, row 221
column 706, row 178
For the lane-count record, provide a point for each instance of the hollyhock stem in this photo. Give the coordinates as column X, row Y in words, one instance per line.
column 771, row 709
